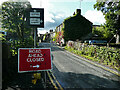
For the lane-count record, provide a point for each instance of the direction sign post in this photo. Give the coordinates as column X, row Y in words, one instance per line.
column 35, row 32
column 35, row 59
column 36, row 19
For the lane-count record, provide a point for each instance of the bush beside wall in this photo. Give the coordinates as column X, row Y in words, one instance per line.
column 105, row 55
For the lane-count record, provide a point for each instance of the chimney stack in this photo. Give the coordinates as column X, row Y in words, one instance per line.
column 74, row 13
column 51, row 30
column 78, row 11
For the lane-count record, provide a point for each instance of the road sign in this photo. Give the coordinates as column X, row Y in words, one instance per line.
column 34, row 14
column 34, row 59
column 35, row 21
column 36, row 17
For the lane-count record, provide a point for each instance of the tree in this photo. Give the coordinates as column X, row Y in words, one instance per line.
column 111, row 10
column 102, row 32
column 14, row 15
column 98, row 31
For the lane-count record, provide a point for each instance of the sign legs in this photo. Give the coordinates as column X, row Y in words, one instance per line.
column 45, row 79
column 35, row 36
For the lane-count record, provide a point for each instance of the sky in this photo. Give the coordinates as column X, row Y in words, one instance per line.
column 55, row 11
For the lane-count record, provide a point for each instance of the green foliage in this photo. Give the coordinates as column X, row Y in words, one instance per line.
column 14, row 15
column 14, row 19
column 56, row 36
column 44, row 37
column 111, row 10
column 104, row 55
column 67, row 18
column 107, row 34
column 2, row 38
column 102, row 32
column 98, row 31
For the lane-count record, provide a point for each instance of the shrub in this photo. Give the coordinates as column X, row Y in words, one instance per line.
column 106, row 55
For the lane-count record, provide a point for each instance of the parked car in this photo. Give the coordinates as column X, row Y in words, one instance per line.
column 97, row 41
column 86, row 41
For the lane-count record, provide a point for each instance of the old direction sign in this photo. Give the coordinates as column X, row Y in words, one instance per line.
column 36, row 17
column 34, row 59
column 35, row 21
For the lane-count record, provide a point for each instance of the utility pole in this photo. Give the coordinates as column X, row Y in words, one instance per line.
column 40, row 3
column 80, row 3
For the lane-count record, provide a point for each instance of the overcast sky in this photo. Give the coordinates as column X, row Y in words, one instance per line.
column 55, row 11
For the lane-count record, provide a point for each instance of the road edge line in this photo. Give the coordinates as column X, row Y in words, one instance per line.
column 57, row 82
column 52, row 81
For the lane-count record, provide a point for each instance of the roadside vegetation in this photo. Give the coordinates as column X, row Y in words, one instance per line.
column 18, row 35
column 111, row 12
column 108, row 56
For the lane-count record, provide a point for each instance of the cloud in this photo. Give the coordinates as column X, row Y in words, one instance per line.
column 54, row 20
column 96, row 17
column 49, row 17
column 40, row 31
column 73, row 0
column 1, row 1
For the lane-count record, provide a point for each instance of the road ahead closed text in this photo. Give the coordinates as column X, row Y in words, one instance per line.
column 34, row 59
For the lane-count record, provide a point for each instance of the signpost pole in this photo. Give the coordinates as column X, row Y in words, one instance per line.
column 45, row 79
column 35, row 31
column 36, row 18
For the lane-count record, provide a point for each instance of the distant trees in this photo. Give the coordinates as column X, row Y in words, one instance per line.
column 98, row 31
column 111, row 10
column 102, row 32
column 14, row 22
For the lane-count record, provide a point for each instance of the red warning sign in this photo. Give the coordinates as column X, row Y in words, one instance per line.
column 38, row 59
